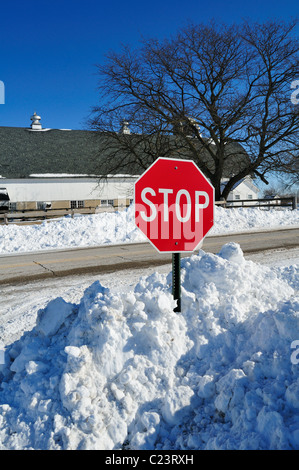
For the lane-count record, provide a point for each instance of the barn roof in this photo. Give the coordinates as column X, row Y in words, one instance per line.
column 24, row 152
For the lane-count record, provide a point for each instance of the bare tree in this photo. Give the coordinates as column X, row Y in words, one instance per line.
column 289, row 174
column 217, row 94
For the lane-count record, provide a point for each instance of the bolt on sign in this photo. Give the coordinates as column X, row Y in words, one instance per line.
column 174, row 205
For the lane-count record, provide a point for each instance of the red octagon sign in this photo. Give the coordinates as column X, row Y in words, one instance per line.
column 174, row 205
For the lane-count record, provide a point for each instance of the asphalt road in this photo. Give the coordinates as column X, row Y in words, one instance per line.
column 15, row 268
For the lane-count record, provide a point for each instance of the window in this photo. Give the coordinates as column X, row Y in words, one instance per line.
column 12, row 206
column 237, row 196
column 77, row 204
column 105, row 202
column 249, row 196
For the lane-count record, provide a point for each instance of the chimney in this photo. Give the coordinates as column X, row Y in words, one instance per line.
column 125, row 127
column 36, row 125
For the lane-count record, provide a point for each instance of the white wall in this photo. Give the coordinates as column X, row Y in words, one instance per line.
column 59, row 189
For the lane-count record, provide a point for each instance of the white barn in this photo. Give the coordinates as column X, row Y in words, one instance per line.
column 58, row 168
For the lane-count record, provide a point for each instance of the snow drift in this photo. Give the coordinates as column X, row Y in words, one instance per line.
column 123, row 371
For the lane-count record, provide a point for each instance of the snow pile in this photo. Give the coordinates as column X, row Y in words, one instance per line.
column 123, row 371
column 119, row 227
column 243, row 219
column 82, row 230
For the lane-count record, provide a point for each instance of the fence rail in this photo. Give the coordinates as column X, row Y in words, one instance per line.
column 263, row 202
column 28, row 215
column 31, row 215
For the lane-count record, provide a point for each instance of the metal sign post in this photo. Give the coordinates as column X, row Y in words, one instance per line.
column 176, row 280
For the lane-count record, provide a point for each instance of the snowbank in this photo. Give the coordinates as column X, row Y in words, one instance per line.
column 119, row 227
column 123, row 371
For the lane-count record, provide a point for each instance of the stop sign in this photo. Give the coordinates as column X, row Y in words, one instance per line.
column 174, row 205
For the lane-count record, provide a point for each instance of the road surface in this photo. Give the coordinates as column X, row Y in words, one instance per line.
column 16, row 268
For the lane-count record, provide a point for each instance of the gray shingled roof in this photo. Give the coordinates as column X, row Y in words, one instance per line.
column 23, row 152
column 76, row 152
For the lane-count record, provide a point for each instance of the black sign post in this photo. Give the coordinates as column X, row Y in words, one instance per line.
column 176, row 280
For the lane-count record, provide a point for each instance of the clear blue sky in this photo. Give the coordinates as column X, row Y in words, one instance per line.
column 49, row 48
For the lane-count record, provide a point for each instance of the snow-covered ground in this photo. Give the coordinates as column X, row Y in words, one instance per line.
column 119, row 227
column 103, row 362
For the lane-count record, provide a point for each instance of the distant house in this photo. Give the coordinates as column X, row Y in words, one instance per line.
column 245, row 189
column 42, row 167
column 274, row 199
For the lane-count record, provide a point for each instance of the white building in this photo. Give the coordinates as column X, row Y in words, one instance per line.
column 58, row 167
column 245, row 189
column 40, row 166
